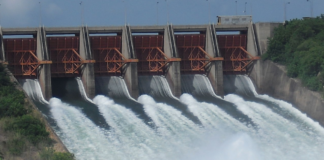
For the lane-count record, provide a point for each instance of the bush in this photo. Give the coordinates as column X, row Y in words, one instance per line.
column 50, row 154
column 30, row 127
column 299, row 46
column 16, row 146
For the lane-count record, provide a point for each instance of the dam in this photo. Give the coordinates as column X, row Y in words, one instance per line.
column 158, row 92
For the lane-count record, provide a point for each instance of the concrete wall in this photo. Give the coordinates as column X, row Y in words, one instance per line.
column 271, row 79
column 264, row 31
column 252, row 47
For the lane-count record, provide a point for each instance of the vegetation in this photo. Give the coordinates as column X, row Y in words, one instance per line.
column 299, row 45
column 22, row 131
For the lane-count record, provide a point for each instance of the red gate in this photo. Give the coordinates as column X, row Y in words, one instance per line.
column 21, row 57
column 149, row 51
column 107, row 54
column 64, row 53
column 194, row 58
column 233, row 49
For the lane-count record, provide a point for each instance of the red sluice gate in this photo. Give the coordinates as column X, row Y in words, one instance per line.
column 191, row 49
column 64, row 53
column 106, row 51
column 234, row 50
column 21, row 57
column 150, row 53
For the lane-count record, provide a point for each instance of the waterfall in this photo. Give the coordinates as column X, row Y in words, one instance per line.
column 159, row 89
column 113, row 86
column 197, row 85
column 33, row 90
column 200, row 87
column 80, row 135
column 156, row 86
column 243, row 125
column 82, row 90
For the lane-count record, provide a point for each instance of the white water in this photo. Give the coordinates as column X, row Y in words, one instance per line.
column 157, row 86
column 82, row 90
column 114, row 86
column 175, row 137
column 197, row 84
column 33, row 90
column 83, row 138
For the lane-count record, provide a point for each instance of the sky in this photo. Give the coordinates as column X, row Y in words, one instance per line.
column 67, row 13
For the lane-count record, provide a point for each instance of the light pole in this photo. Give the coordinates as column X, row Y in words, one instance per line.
column 208, row 10
column 157, row 12
column 167, row 9
column 125, row 10
column 311, row 7
column 236, row 7
column 82, row 10
column 245, row 8
column 285, row 10
column 40, row 13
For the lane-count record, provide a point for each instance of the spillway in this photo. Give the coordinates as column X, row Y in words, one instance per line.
column 159, row 89
column 256, row 127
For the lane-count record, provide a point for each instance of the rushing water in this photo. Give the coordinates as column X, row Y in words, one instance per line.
column 198, row 126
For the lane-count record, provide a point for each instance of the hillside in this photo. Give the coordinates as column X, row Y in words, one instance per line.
column 23, row 131
column 299, row 45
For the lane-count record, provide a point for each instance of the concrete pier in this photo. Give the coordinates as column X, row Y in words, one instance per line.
column 130, row 70
column 173, row 75
column 215, row 70
column 87, row 72
column 2, row 53
column 44, row 71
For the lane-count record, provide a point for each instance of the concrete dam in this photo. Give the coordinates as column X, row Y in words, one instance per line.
column 159, row 92
column 129, row 51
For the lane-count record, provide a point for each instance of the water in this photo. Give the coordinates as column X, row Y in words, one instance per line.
column 256, row 127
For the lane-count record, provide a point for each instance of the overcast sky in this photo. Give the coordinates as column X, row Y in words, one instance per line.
column 28, row 13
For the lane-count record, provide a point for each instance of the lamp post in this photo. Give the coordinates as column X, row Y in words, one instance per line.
column 167, row 10
column 208, row 10
column 157, row 13
column 311, row 7
column 82, row 10
column 285, row 10
column 40, row 13
column 125, row 10
column 236, row 7
column 245, row 8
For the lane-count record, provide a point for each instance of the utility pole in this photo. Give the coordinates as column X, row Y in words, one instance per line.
column 208, row 10
column 236, row 7
column 82, row 10
column 125, row 10
column 311, row 7
column 245, row 8
column 167, row 9
column 285, row 10
column 157, row 13
column 40, row 13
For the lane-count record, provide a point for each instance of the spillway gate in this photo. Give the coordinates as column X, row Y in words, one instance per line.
column 64, row 53
column 149, row 51
column 21, row 57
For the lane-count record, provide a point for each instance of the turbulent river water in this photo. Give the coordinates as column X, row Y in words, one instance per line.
column 158, row 126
